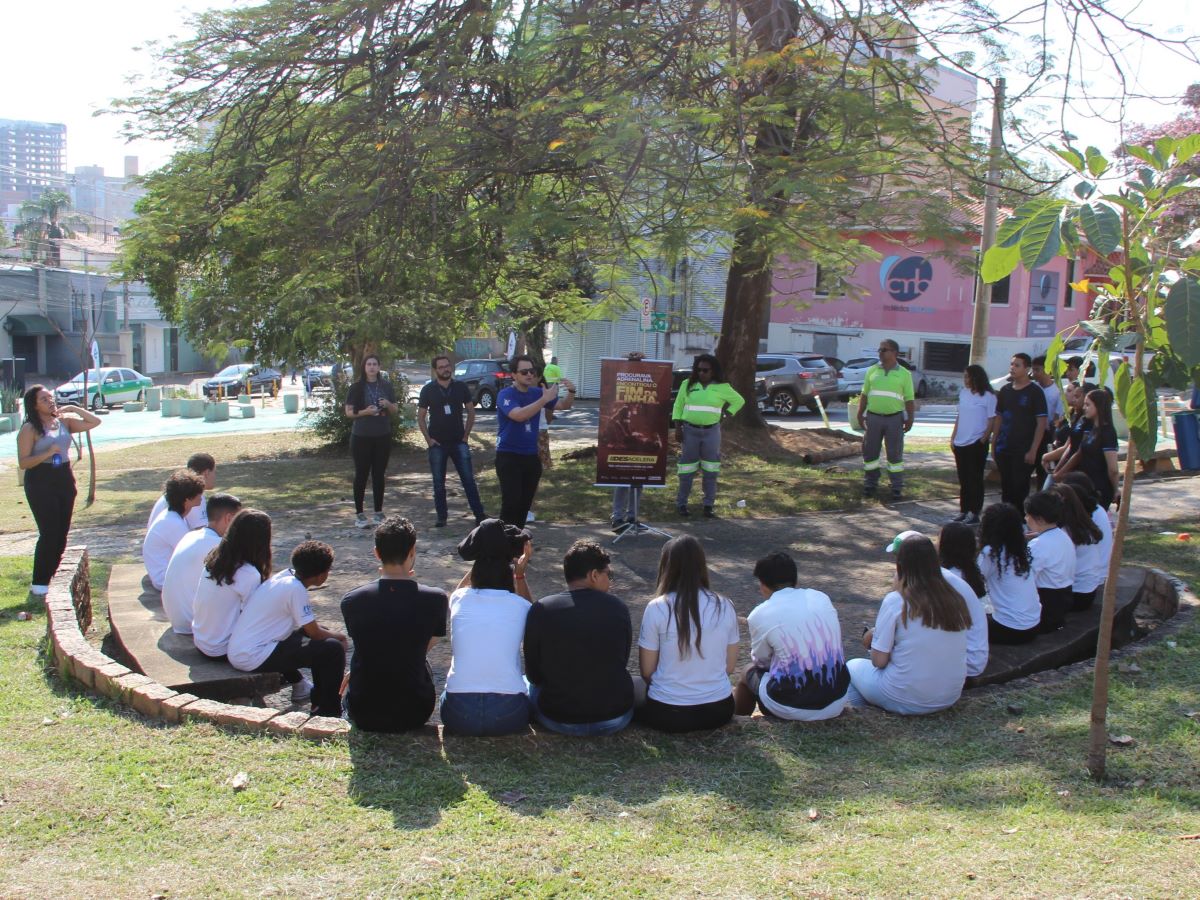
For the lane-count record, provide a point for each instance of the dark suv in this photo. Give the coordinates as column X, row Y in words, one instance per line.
column 485, row 377
column 789, row 380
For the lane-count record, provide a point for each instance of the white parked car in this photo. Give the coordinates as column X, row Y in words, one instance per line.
column 850, row 381
column 105, row 387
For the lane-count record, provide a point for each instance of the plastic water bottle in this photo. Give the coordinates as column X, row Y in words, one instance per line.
column 56, row 460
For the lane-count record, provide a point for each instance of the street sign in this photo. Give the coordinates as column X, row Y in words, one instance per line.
column 659, row 322
column 647, row 311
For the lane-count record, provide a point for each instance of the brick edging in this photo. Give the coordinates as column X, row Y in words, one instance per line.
column 69, row 610
column 69, row 605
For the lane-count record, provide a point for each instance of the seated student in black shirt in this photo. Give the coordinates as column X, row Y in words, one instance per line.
column 393, row 622
column 577, row 650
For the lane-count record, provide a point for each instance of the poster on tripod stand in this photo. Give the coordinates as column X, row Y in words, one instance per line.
column 635, row 414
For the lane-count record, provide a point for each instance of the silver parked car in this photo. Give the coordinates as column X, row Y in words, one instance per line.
column 787, row 381
column 855, row 371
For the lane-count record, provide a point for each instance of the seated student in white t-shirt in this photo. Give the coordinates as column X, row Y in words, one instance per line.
column 1007, row 568
column 277, row 631
column 206, row 467
column 186, row 567
column 486, row 694
column 1087, row 537
column 919, row 643
column 233, row 570
column 688, row 645
column 799, row 666
column 183, row 492
column 956, row 552
column 1053, row 554
column 1091, row 560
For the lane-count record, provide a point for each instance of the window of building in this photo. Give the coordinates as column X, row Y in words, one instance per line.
column 829, row 284
column 1000, row 291
column 946, row 356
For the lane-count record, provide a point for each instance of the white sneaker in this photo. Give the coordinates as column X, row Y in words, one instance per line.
column 360, row 521
column 301, row 690
column 39, row 590
column 378, row 518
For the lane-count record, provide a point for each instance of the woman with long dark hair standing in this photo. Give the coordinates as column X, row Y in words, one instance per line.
column 44, row 452
column 1097, row 453
column 703, row 402
column 370, row 404
column 688, row 645
column 973, row 428
column 919, row 643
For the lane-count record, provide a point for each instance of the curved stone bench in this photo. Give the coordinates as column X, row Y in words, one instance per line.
column 69, row 612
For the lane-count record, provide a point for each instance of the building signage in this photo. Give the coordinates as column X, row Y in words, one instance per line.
column 1043, row 303
column 905, row 278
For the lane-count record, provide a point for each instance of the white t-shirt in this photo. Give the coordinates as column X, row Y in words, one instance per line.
column 927, row 666
column 975, row 414
column 487, row 626
column 196, row 518
column 795, row 634
column 1053, row 554
column 1054, row 403
column 977, row 635
column 183, row 575
column 277, row 607
column 1014, row 597
column 1091, row 560
column 164, row 534
column 700, row 677
column 217, row 607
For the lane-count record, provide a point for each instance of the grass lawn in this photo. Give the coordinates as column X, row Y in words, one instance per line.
column 979, row 801
column 284, row 471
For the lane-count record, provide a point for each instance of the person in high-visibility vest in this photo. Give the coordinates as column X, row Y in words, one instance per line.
column 885, row 413
column 704, row 399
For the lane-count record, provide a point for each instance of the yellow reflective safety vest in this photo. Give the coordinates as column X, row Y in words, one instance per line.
column 698, row 405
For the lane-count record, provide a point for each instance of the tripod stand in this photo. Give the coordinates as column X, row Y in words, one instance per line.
column 637, row 526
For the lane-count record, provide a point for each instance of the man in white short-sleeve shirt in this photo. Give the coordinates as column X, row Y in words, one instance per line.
column 277, row 631
column 206, row 467
column 186, row 566
column 183, row 492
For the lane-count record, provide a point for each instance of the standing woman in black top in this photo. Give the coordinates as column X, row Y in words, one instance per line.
column 370, row 404
column 1097, row 453
column 44, row 452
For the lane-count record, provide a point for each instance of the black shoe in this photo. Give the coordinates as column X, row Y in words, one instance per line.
column 868, row 491
column 683, row 511
column 708, row 513
column 440, row 523
column 896, row 494
column 617, row 524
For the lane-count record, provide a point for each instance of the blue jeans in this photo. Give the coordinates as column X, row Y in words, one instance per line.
column 485, row 715
column 578, row 729
column 460, row 455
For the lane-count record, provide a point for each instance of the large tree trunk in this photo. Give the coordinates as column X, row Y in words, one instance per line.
column 772, row 24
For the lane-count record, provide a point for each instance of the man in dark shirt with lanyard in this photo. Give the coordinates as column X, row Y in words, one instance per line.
column 440, row 418
column 1021, row 418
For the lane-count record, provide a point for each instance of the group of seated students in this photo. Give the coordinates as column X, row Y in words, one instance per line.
column 562, row 661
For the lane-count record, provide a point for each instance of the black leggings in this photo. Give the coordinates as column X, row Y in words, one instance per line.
column 970, row 462
column 1055, row 604
column 1002, row 634
column 50, row 492
column 701, row 717
column 1081, row 600
column 370, row 456
column 326, row 658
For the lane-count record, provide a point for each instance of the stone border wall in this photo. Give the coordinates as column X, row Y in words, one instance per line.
column 69, row 613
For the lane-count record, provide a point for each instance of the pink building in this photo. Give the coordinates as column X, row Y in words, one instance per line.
column 920, row 292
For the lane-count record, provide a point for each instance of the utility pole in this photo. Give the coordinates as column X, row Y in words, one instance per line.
column 991, row 205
